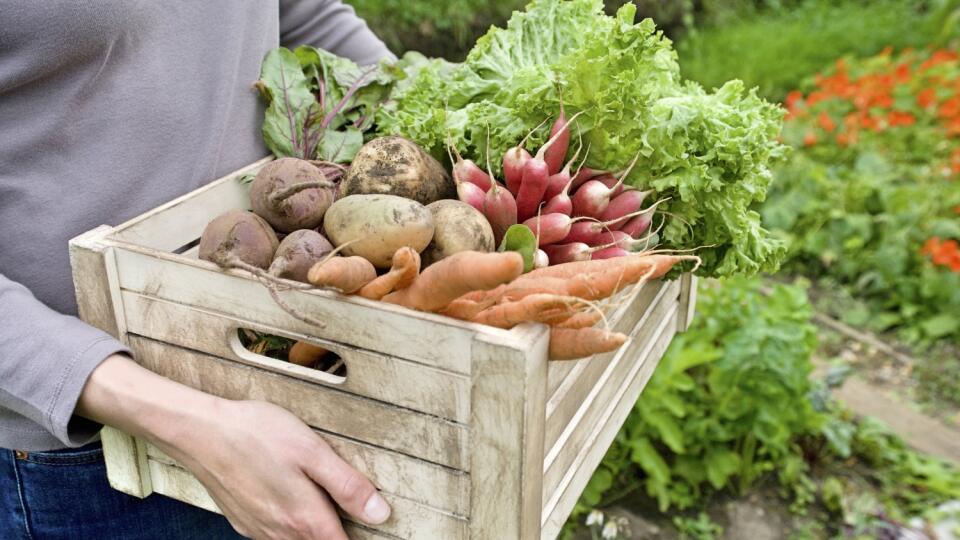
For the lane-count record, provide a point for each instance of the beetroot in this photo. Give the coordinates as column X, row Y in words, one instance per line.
column 297, row 253
column 291, row 194
column 238, row 235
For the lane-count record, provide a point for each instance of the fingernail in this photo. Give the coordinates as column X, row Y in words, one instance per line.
column 376, row 509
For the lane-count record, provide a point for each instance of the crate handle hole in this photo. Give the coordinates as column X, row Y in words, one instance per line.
column 329, row 365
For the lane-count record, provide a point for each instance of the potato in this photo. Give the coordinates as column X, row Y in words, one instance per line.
column 378, row 225
column 457, row 227
column 396, row 166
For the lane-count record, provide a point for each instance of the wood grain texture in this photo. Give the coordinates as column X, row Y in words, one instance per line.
column 570, row 466
column 385, row 378
column 428, row 437
column 568, row 399
column 180, row 221
column 688, row 301
column 408, row 477
column 508, row 398
column 431, row 339
column 407, row 520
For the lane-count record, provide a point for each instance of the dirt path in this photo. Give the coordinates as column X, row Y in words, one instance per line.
column 918, row 430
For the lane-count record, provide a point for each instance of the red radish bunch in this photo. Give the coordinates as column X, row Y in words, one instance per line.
column 575, row 215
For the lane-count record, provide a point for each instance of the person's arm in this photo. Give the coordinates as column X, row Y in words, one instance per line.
column 330, row 25
column 45, row 357
column 267, row 471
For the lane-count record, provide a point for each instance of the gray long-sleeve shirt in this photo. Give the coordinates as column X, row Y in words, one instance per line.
column 108, row 109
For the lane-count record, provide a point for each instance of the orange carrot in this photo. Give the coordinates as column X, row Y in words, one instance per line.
column 444, row 281
column 465, row 309
column 347, row 274
column 405, row 268
column 573, row 343
column 584, row 319
column 305, row 354
column 535, row 307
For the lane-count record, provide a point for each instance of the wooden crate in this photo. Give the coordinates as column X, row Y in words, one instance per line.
column 468, row 430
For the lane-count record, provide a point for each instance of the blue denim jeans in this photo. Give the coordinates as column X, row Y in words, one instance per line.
column 64, row 494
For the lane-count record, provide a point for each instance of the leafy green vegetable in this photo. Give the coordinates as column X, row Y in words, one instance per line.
column 708, row 152
column 521, row 239
column 318, row 104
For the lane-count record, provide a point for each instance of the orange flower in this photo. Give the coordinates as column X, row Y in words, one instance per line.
column 956, row 209
column 809, row 139
column 926, row 98
column 845, row 139
column 902, row 72
column 793, row 98
column 900, row 118
column 815, row 97
column 826, row 122
column 943, row 253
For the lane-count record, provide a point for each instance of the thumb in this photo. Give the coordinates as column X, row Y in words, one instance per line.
column 351, row 490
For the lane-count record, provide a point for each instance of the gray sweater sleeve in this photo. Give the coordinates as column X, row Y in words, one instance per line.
column 45, row 361
column 330, row 25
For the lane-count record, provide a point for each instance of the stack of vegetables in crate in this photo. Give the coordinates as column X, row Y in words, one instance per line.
column 372, row 214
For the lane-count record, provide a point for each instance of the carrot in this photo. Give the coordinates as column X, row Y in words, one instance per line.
column 305, row 354
column 347, row 274
column 445, row 281
column 573, row 343
column 534, row 308
column 405, row 268
column 465, row 309
column 583, row 319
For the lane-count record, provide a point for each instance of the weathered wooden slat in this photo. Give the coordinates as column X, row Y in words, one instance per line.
column 630, row 305
column 508, row 396
column 569, row 397
column 641, row 357
column 428, row 437
column 408, row 477
column 688, row 301
column 431, row 339
column 180, row 221
column 407, row 520
column 385, row 378
column 568, row 491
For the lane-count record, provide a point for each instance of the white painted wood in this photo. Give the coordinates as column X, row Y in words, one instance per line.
column 428, row 437
column 440, row 341
column 568, row 399
column 509, row 393
column 433, row 485
column 97, row 291
column 385, row 378
column 407, row 520
column 560, row 456
column 688, row 301
column 584, row 451
column 180, row 221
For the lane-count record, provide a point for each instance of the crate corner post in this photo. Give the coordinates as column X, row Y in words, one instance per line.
column 508, row 400
column 97, row 291
column 688, row 301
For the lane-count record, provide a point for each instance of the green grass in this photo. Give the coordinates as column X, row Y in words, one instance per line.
column 776, row 49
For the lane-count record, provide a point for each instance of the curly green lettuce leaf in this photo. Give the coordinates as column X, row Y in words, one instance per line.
column 708, row 153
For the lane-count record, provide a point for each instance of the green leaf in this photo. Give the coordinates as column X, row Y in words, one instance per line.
column 667, row 428
column 646, row 456
column 287, row 90
column 340, row 146
column 521, row 239
column 940, row 325
column 720, row 465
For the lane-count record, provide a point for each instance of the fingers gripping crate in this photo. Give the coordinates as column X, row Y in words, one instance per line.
column 468, row 430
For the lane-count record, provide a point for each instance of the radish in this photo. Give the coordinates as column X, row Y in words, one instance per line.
column 513, row 161
column 592, row 198
column 623, row 204
column 500, row 209
column 610, row 180
column 609, row 253
column 471, row 194
column 559, row 181
column 561, row 131
column 561, row 202
column 572, row 252
column 540, row 259
column 550, row 228
column 535, row 176
column 638, row 225
column 587, row 231
column 584, row 174
column 465, row 170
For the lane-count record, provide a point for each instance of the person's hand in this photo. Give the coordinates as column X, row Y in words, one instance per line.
column 267, row 471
